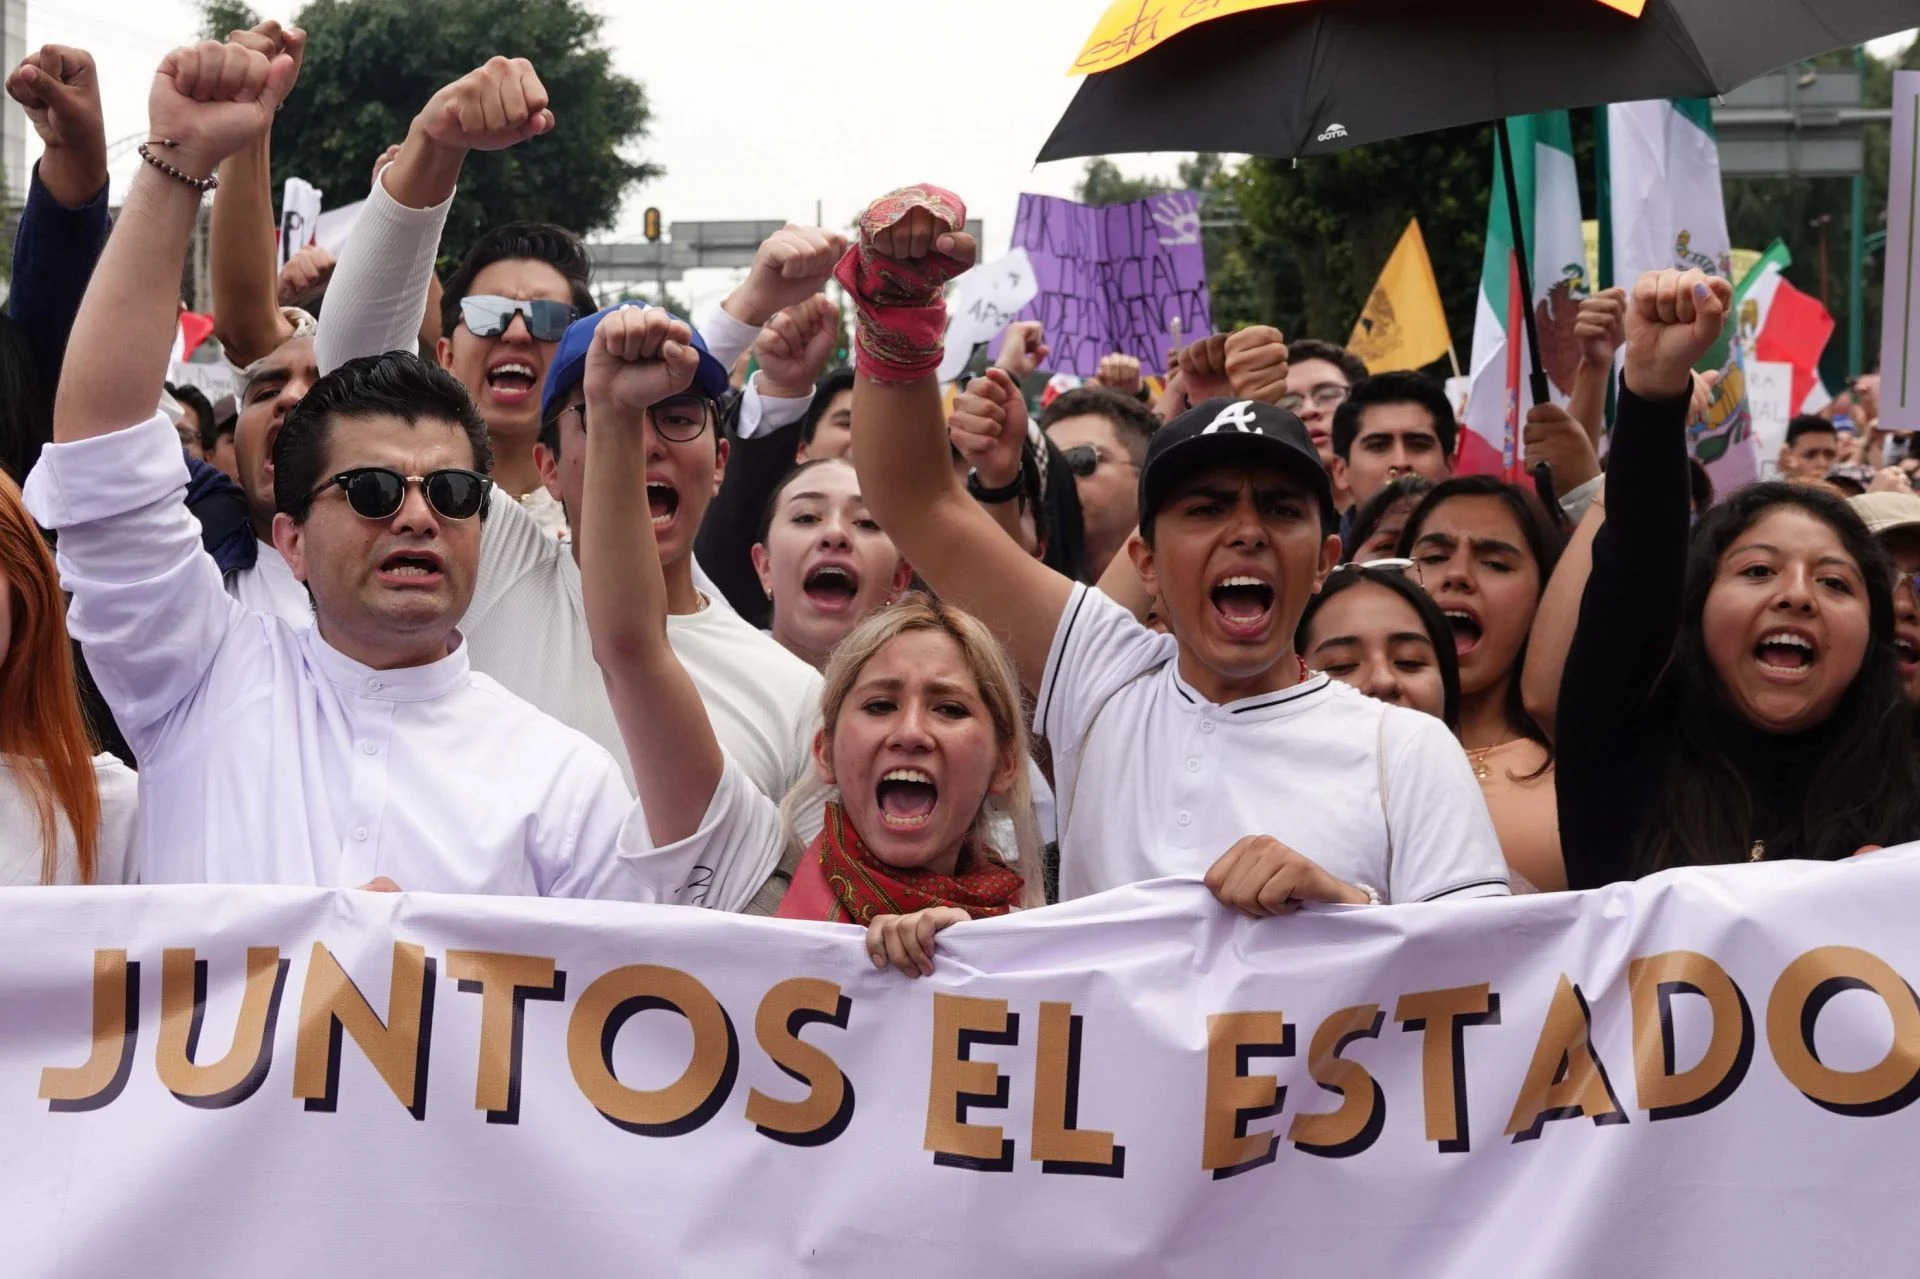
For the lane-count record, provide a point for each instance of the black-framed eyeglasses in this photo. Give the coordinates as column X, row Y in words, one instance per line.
column 1325, row 396
column 679, row 418
column 487, row 316
column 376, row 492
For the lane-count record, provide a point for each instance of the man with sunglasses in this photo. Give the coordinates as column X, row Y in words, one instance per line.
column 362, row 748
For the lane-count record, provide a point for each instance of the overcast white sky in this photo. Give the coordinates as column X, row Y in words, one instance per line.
column 760, row 107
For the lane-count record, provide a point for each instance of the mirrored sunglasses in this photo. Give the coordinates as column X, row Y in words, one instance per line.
column 487, row 316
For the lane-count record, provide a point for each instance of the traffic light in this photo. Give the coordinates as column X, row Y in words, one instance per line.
column 651, row 226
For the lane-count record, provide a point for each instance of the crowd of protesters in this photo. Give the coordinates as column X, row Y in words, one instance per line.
column 477, row 587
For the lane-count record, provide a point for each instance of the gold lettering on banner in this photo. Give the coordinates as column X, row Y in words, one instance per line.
column 1793, row 1010
column 1059, row 1143
column 1363, row 1112
column 116, row 1028
column 1444, row 1016
column 1665, row 1091
column 398, row 1048
column 957, row 1083
column 827, row 1109
column 1566, row 1078
column 504, row 983
column 702, row 1088
column 183, row 1009
column 1235, row 1098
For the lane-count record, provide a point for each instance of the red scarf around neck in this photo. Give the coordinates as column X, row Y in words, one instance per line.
column 863, row 886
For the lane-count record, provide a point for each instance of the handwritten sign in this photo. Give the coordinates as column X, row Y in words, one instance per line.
column 1131, row 27
column 1899, row 332
column 984, row 301
column 1114, row 278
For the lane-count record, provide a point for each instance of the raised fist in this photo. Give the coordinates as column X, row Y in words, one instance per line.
column 1599, row 326
column 791, row 265
column 489, row 108
column 795, row 345
column 271, row 40
column 922, row 233
column 305, row 271
column 640, row 356
column 989, row 427
column 1023, row 349
column 1257, row 363
column 60, row 92
column 1119, row 373
column 1674, row 318
column 210, row 99
column 1555, row 436
column 1203, row 369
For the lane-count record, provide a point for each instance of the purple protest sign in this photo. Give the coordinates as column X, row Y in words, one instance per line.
column 1111, row 278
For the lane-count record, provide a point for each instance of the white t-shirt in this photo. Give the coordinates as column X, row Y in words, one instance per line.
column 1151, row 779
column 114, row 862
column 270, row 587
column 720, row 866
column 527, row 627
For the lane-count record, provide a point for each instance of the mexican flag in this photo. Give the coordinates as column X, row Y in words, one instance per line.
column 1549, row 196
column 1778, row 322
column 1667, row 211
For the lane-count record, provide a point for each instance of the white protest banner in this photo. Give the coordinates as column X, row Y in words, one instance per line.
column 984, row 301
column 1899, row 326
column 1705, row 1073
column 1770, row 401
column 299, row 215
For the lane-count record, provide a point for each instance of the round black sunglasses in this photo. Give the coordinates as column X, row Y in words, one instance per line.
column 376, row 492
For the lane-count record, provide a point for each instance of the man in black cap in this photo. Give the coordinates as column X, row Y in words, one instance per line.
column 1171, row 750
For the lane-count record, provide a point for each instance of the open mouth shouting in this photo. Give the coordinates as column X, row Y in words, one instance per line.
column 831, row 586
column 1786, row 656
column 1467, row 629
column 512, row 380
column 1906, row 650
column 906, row 798
column 412, row 568
column 663, row 501
column 1243, row 605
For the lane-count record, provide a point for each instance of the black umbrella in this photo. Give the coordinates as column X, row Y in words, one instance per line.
column 1320, row 76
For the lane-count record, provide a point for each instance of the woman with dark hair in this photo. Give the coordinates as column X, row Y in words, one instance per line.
column 1377, row 525
column 1373, row 628
column 1483, row 550
column 1735, row 697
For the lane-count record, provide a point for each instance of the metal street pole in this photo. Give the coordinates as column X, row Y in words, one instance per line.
column 1857, row 254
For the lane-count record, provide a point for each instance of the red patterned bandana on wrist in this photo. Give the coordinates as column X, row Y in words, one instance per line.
column 902, row 318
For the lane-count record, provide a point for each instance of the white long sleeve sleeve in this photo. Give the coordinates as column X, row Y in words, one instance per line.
column 379, row 288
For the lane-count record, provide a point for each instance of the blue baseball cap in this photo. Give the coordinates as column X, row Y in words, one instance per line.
column 570, row 361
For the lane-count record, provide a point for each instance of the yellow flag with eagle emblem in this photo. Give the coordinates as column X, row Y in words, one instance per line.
column 1403, row 325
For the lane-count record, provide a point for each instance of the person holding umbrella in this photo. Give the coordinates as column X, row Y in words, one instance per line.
column 1169, row 750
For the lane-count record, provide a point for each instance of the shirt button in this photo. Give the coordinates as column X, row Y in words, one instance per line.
column 368, row 748
column 374, row 685
column 1185, row 818
column 1193, row 766
column 360, row 832
column 1206, row 726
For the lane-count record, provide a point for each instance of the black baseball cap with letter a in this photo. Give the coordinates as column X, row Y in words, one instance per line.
column 1223, row 432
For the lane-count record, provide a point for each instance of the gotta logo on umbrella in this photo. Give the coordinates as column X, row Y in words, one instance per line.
column 1331, row 132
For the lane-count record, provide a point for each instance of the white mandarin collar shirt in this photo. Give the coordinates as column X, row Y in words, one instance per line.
column 268, row 756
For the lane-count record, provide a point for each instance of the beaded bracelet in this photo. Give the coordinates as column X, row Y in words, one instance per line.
column 202, row 185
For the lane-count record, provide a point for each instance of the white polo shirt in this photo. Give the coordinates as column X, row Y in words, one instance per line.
column 269, row 757
column 1151, row 779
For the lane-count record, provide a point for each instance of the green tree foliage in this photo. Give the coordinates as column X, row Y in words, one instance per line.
column 372, row 64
